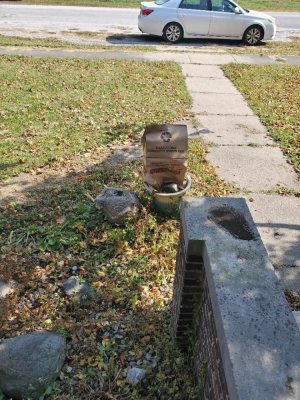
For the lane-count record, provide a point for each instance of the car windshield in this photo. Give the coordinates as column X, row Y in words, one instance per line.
column 237, row 5
column 161, row 2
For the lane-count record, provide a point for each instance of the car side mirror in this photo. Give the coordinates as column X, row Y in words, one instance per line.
column 237, row 10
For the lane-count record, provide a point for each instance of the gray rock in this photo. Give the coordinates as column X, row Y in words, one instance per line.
column 79, row 290
column 30, row 363
column 7, row 288
column 135, row 375
column 118, row 205
column 74, row 268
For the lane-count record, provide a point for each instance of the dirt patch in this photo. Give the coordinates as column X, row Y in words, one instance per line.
column 18, row 189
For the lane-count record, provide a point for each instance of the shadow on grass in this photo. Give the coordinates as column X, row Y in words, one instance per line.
column 150, row 40
column 7, row 166
column 57, row 230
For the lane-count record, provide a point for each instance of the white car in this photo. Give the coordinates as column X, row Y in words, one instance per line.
column 216, row 19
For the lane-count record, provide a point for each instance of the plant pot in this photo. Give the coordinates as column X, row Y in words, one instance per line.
column 168, row 203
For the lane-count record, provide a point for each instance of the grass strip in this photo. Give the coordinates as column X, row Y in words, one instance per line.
column 291, row 47
column 273, row 92
column 52, row 109
column 16, row 41
column 268, row 5
column 274, row 5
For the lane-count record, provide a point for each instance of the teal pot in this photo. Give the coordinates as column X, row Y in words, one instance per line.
column 168, row 203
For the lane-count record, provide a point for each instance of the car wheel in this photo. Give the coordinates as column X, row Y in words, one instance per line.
column 253, row 35
column 173, row 32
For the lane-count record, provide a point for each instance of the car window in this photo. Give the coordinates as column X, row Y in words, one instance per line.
column 194, row 4
column 161, row 2
column 222, row 5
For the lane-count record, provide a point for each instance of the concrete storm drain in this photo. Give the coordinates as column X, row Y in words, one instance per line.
column 232, row 221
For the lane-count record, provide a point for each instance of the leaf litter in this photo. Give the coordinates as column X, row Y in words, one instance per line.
column 59, row 233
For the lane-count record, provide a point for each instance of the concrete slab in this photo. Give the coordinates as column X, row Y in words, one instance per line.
column 278, row 221
column 255, row 59
column 98, row 54
column 253, row 168
column 292, row 60
column 296, row 314
column 234, row 130
column 211, row 59
column 82, row 54
column 257, row 334
column 210, row 85
column 181, row 58
column 203, row 71
column 220, row 104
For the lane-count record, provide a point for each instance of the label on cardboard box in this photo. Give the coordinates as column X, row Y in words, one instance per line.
column 165, row 150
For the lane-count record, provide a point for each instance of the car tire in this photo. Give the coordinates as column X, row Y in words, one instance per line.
column 253, row 35
column 173, row 32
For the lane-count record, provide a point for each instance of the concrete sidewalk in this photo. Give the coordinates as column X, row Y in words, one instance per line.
column 179, row 57
column 245, row 156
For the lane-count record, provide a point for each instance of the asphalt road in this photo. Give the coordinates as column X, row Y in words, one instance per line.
column 92, row 19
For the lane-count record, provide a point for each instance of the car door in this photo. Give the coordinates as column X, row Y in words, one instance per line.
column 224, row 21
column 195, row 17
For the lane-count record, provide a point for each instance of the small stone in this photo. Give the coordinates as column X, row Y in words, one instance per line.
column 148, row 356
column 7, row 288
column 119, row 336
column 73, row 287
column 135, row 375
column 74, row 268
column 118, row 205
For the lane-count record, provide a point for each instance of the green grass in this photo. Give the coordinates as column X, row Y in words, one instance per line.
column 273, row 92
column 52, row 109
column 275, row 5
column 291, row 47
column 130, row 268
column 16, row 41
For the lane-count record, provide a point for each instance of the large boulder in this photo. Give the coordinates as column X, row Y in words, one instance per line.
column 118, row 205
column 30, row 363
